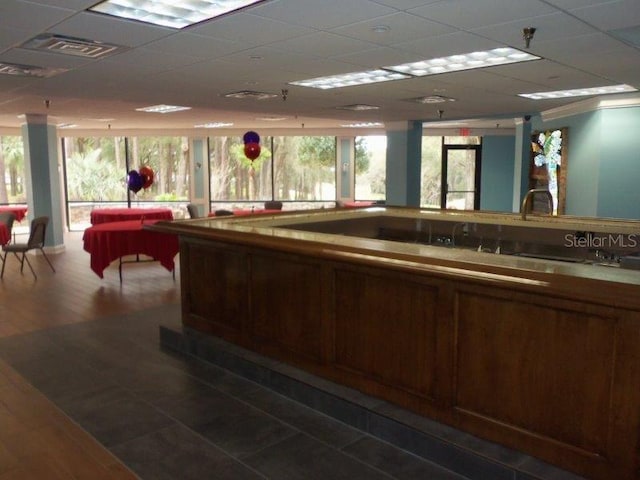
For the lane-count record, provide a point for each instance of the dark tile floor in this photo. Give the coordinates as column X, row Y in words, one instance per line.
column 172, row 417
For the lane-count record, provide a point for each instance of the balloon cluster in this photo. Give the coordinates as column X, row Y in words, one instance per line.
column 137, row 180
column 251, row 145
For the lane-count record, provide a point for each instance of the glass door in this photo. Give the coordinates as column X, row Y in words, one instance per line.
column 461, row 177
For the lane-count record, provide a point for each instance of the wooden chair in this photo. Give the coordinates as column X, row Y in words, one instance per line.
column 37, row 236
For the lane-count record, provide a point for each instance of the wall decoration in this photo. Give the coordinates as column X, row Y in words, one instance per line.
column 548, row 167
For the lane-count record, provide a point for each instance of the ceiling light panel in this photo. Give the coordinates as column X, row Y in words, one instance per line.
column 358, row 107
column 170, row 13
column 363, row 125
column 162, row 109
column 214, row 125
column 351, row 79
column 467, row 61
column 579, row 92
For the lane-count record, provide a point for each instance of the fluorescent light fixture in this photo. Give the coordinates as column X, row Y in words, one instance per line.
column 363, row 125
column 66, row 125
column 162, row 109
column 434, row 66
column 214, row 125
column 358, row 107
column 579, row 92
column 467, row 61
column 170, row 13
column 351, row 79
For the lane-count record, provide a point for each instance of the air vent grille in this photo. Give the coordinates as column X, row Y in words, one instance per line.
column 78, row 47
column 29, row 70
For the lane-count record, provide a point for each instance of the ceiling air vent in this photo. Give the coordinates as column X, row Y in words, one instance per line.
column 431, row 99
column 29, row 70
column 251, row 94
column 77, row 47
column 358, row 107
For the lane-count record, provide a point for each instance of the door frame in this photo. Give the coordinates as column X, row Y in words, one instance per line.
column 444, row 187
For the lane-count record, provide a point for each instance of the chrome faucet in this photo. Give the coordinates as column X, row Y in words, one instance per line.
column 532, row 193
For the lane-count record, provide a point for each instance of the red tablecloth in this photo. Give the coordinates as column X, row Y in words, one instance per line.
column 4, row 234
column 250, row 212
column 107, row 242
column 104, row 215
column 20, row 211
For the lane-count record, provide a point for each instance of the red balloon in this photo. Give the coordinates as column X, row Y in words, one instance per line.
column 252, row 151
column 146, row 173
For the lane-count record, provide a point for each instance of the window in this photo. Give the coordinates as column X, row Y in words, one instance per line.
column 431, row 172
column 371, row 167
column 304, row 169
column 235, row 180
column 96, row 173
column 12, row 190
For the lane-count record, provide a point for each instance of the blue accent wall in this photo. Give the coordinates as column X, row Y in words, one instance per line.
column 603, row 171
column 403, row 165
column 496, row 185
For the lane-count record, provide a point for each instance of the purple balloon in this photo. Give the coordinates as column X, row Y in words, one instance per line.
column 134, row 181
column 251, row 137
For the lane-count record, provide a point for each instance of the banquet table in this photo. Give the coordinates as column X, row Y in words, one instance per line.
column 104, row 215
column 111, row 241
column 4, row 234
column 20, row 211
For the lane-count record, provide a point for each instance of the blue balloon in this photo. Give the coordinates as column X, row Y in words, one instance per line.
column 251, row 137
column 134, row 181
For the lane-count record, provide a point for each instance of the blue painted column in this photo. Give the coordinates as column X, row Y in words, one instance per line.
column 43, row 177
column 404, row 159
column 521, row 162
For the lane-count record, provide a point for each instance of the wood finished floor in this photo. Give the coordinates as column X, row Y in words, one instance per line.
column 29, row 423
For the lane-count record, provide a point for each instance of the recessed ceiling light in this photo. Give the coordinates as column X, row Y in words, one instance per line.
column 29, row 70
column 162, row 109
column 579, row 92
column 363, row 125
column 358, row 107
column 351, row 79
column 214, row 125
column 172, row 13
column 251, row 94
column 467, row 61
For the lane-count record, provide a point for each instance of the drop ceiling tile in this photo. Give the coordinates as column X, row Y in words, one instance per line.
column 611, row 15
column 329, row 14
column 405, row 4
column 263, row 59
column 153, row 60
column 13, row 36
column 403, row 27
column 71, row 4
column 104, row 28
column 250, row 30
column 569, row 4
column 551, row 27
column 595, row 45
column 323, row 44
column 194, row 45
column 43, row 59
column 378, row 57
column 549, row 74
column 29, row 16
column 467, row 14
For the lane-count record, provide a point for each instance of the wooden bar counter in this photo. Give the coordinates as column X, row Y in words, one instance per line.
column 541, row 356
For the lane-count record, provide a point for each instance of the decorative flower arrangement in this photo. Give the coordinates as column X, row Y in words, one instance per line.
column 548, row 149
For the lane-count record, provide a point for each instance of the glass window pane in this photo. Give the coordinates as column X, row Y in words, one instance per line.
column 233, row 176
column 12, row 190
column 168, row 157
column 304, row 168
column 466, row 140
column 371, row 167
column 431, row 172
